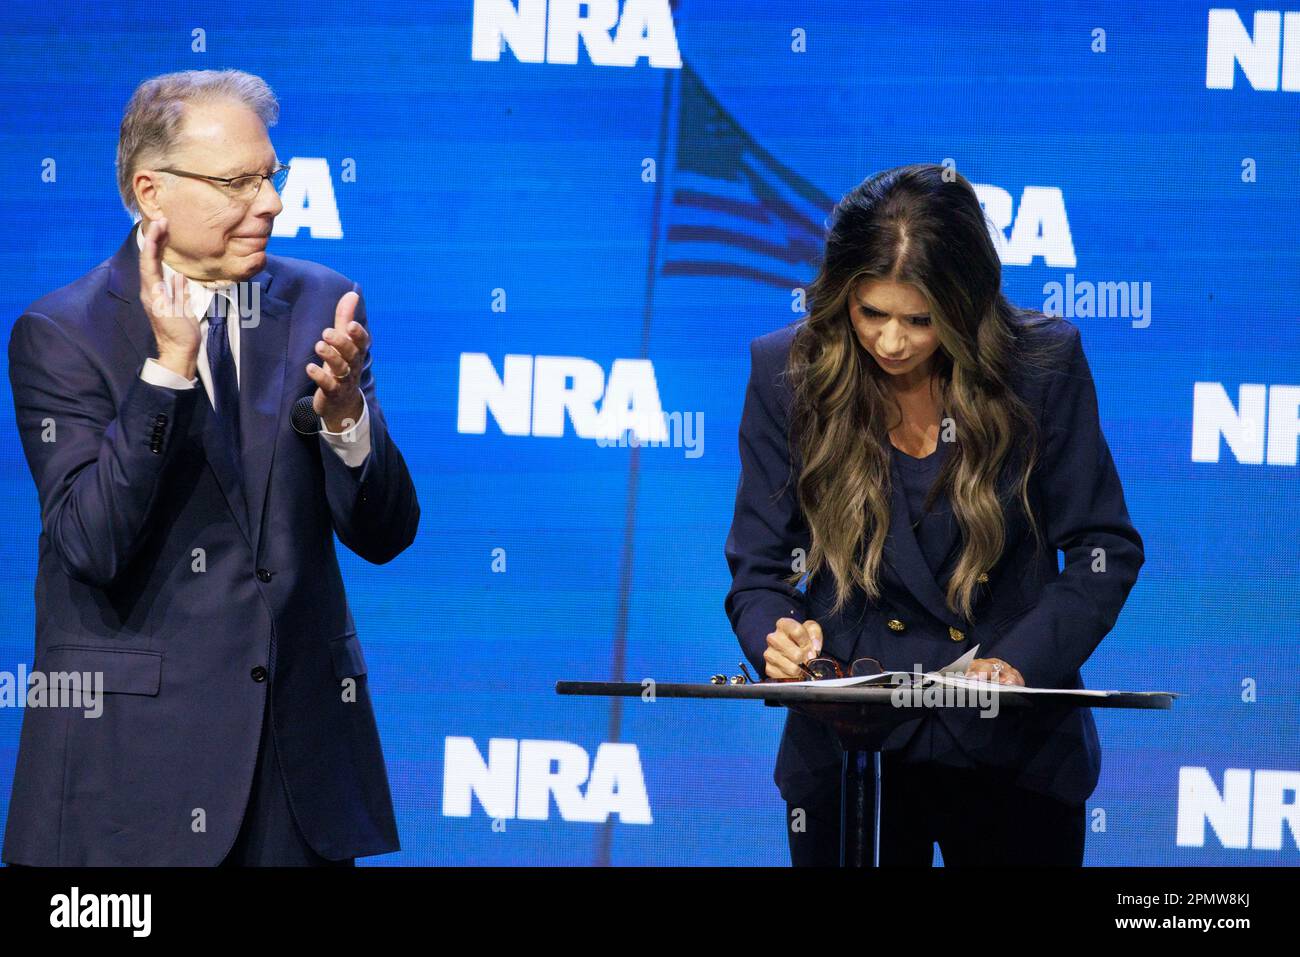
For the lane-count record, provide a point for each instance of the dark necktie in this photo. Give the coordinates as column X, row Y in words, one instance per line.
column 225, row 384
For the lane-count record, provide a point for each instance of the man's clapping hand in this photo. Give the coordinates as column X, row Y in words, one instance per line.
column 343, row 347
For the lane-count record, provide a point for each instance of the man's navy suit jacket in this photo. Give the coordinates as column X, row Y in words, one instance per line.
column 1040, row 618
column 150, row 574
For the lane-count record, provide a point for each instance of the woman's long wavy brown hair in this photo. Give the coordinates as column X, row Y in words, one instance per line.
column 922, row 225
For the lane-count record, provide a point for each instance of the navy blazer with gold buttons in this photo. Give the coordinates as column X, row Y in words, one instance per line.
column 1042, row 619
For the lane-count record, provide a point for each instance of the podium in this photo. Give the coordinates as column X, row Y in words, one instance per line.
column 862, row 718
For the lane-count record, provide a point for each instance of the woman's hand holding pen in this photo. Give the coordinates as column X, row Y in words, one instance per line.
column 793, row 644
column 789, row 646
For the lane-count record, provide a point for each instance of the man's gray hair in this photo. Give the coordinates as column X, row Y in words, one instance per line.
column 152, row 122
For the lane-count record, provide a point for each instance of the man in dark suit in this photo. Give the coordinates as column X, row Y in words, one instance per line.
column 187, row 545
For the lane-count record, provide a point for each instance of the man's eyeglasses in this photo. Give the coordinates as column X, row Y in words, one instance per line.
column 240, row 188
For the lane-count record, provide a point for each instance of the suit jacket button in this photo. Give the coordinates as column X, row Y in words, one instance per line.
column 263, row 575
column 258, row 674
column 955, row 635
column 983, row 579
column 895, row 625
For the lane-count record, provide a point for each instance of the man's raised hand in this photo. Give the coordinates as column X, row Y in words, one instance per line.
column 344, row 347
column 166, row 305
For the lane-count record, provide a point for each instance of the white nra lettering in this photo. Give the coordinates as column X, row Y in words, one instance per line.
column 1263, row 426
column 520, row 778
column 535, row 395
column 309, row 201
column 1268, row 53
column 1240, row 815
column 1040, row 226
column 536, row 31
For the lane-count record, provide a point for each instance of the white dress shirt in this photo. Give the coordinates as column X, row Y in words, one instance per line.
column 352, row 445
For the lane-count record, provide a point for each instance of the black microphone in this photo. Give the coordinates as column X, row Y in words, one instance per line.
column 304, row 417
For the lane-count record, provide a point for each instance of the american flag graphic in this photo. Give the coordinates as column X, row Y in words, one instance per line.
column 734, row 209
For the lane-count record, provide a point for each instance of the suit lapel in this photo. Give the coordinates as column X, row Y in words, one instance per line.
column 903, row 553
column 263, row 359
column 950, row 549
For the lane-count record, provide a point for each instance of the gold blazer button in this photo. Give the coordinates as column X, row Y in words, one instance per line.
column 895, row 625
column 983, row 579
column 955, row 635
